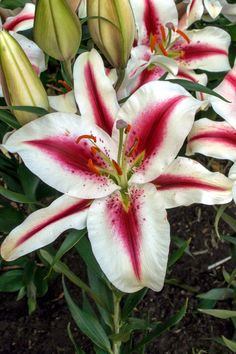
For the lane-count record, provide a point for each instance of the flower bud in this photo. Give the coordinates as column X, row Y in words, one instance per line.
column 21, row 85
column 74, row 4
column 115, row 35
column 57, row 29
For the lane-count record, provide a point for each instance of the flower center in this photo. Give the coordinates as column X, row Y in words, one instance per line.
column 165, row 45
column 121, row 169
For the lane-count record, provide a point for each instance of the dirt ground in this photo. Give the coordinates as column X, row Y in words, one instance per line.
column 44, row 332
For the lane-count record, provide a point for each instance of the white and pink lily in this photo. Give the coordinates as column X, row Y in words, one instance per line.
column 218, row 138
column 159, row 36
column 119, row 172
column 24, row 20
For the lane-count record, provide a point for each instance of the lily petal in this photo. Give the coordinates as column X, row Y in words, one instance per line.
column 131, row 245
column 161, row 115
column 150, row 14
column 63, row 103
column 216, row 139
column 186, row 182
column 44, row 226
column 213, row 7
column 207, row 50
column 49, row 148
column 21, row 22
column 94, row 92
column 193, row 13
column 227, row 88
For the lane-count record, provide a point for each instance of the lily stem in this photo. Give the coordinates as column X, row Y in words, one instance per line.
column 121, row 76
column 116, row 321
column 68, row 71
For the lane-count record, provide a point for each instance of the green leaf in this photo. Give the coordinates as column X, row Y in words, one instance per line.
column 28, row 181
column 162, row 327
column 229, row 220
column 15, row 197
column 175, row 256
column 9, row 119
column 217, row 294
column 229, row 344
column 192, row 86
column 230, row 239
column 78, row 350
column 85, row 251
column 10, row 218
column 13, row 4
column 219, row 214
column 223, row 314
column 132, row 301
column 11, row 281
column 31, row 109
column 87, row 323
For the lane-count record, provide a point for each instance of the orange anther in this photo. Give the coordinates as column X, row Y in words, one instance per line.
column 90, row 137
column 153, row 42
column 94, row 150
column 92, row 167
column 133, row 148
column 183, row 35
column 163, row 50
column 163, row 33
column 117, row 167
column 127, row 130
column 64, row 84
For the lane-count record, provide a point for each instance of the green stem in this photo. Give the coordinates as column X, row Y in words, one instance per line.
column 68, row 71
column 116, row 322
column 121, row 76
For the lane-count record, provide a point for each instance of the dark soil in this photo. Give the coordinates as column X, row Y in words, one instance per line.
column 44, row 332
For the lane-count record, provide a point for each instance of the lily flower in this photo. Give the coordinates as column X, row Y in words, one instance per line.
column 118, row 185
column 159, row 35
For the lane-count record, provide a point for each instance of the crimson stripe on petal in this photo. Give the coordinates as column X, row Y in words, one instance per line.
column 151, row 20
column 197, row 51
column 222, row 137
column 148, row 75
column 101, row 114
column 151, row 127
column 126, row 225
column 10, row 26
column 68, row 153
column 74, row 209
column 167, row 182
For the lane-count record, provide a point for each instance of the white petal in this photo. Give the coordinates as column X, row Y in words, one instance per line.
column 22, row 21
column 186, row 182
column 216, row 139
column 131, row 246
column 49, row 148
column 94, row 92
column 63, row 103
column 44, row 226
column 193, row 13
column 161, row 115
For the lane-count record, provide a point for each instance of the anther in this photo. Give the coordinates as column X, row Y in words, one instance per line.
column 117, row 167
column 153, row 42
column 163, row 50
column 183, row 35
column 94, row 150
column 92, row 167
column 65, row 85
column 133, row 148
column 90, row 137
column 163, row 33
column 127, row 130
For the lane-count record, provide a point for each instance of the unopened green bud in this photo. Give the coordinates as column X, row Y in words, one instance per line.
column 21, row 85
column 57, row 29
column 112, row 27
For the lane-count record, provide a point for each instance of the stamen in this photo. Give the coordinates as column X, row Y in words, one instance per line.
column 163, row 33
column 133, row 148
column 90, row 137
column 92, row 167
column 117, row 167
column 127, row 130
column 121, row 124
column 94, row 150
column 183, row 35
column 64, row 84
column 153, row 42
column 163, row 50
column 170, row 26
